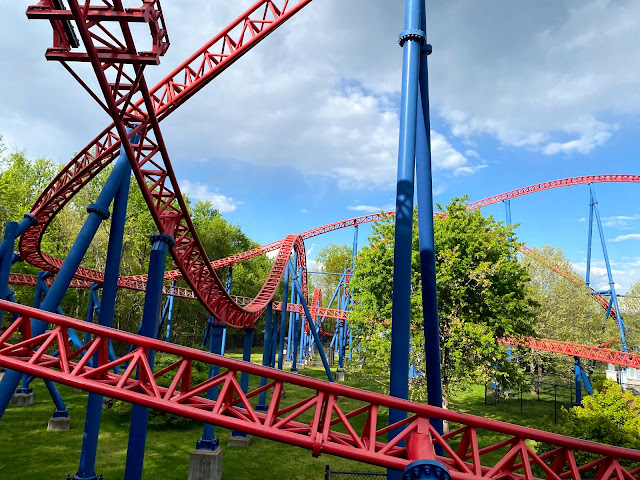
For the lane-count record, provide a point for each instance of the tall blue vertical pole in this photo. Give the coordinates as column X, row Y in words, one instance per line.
column 411, row 40
column 93, row 417
column 578, row 375
column 296, row 333
column 149, row 328
column 291, row 334
column 244, row 376
column 283, row 317
column 426, row 240
column 590, row 237
column 614, row 298
column 168, row 311
column 208, row 441
column 266, row 355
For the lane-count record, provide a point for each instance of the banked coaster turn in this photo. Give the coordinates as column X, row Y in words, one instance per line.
column 334, row 419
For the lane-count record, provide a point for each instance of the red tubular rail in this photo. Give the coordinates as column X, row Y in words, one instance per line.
column 319, row 423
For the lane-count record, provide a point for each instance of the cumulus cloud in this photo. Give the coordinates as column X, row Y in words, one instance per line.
column 621, row 238
column 320, row 94
column 198, row 191
column 364, row 208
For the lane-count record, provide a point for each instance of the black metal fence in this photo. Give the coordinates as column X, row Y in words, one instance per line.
column 335, row 475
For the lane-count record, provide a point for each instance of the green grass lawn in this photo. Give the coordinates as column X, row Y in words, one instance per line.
column 28, row 451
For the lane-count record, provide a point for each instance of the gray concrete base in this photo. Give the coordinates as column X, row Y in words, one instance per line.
column 300, row 366
column 286, row 365
column 59, row 424
column 205, row 465
column 107, row 403
column 339, row 376
column 239, row 441
column 76, row 390
column 23, row 399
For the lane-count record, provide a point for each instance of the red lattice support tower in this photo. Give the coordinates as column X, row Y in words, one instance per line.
column 318, row 422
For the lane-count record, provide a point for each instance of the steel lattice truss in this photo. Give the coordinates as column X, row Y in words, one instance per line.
column 149, row 158
column 590, row 353
column 333, row 419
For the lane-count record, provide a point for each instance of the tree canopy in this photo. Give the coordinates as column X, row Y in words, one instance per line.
column 483, row 295
column 22, row 180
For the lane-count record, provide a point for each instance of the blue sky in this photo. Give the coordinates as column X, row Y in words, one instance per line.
column 302, row 131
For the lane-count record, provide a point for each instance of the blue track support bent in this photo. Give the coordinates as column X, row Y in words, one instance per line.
column 410, row 40
column 283, row 317
column 297, row 334
column 167, row 313
column 590, row 238
column 106, row 314
column 266, row 355
column 298, row 288
column 427, row 244
column 208, row 441
column 149, row 328
column 614, row 298
column 244, row 376
column 98, row 212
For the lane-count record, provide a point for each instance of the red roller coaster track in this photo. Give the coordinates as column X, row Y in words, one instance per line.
column 324, row 422
column 319, row 423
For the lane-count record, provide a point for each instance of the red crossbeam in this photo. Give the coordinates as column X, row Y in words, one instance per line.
column 574, row 350
column 333, row 418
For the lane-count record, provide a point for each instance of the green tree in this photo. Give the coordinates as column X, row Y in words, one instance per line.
column 332, row 259
column 565, row 311
column 482, row 296
column 610, row 416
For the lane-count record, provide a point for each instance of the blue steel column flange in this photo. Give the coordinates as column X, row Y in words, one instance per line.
column 162, row 237
column 32, row 218
column 412, row 34
column 426, row 470
column 426, row 49
column 103, row 212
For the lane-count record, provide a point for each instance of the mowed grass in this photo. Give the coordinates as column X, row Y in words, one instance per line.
column 28, row 450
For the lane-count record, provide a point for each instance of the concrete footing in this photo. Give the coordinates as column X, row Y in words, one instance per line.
column 237, row 441
column 287, row 365
column 339, row 376
column 107, row 403
column 205, row 464
column 23, row 399
column 59, row 424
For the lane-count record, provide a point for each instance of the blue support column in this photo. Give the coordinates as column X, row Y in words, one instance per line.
column 106, row 314
column 98, row 212
column 167, row 313
column 244, row 376
column 297, row 334
column 149, row 328
column 208, row 441
column 426, row 240
column 590, row 238
column 266, row 355
column 298, row 288
column 578, row 376
column 614, row 297
column 411, row 40
column 283, row 318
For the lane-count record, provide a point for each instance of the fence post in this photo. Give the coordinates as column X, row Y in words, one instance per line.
column 327, row 472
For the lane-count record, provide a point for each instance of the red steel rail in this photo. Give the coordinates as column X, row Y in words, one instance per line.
column 563, row 182
column 326, row 421
column 590, row 353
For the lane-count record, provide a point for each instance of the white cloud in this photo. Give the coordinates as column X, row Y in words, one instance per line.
column 365, row 208
column 624, row 273
column 619, row 221
column 621, row 238
column 198, row 191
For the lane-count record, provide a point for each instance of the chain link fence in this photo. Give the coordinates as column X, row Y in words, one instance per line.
column 335, row 475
